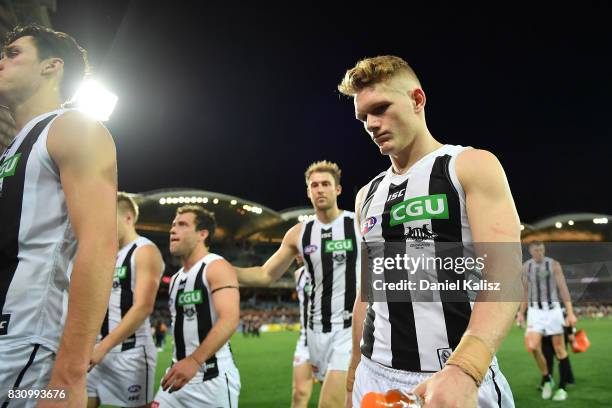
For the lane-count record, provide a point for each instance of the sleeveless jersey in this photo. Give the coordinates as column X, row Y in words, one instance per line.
column 122, row 297
column 425, row 207
column 193, row 315
column 542, row 286
column 36, row 239
column 332, row 260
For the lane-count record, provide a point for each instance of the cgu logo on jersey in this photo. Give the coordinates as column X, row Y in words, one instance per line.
column 9, row 165
column 338, row 245
column 190, row 298
column 420, row 208
column 120, row 272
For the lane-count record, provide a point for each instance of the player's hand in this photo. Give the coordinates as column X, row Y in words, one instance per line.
column 180, row 374
column 571, row 320
column 99, row 352
column 350, row 380
column 448, row 388
column 520, row 319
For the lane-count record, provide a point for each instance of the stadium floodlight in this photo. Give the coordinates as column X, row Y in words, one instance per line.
column 522, row 227
column 216, row 201
column 233, row 202
column 571, row 222
column 558, row 224
column 95, row 100
column 162, row 201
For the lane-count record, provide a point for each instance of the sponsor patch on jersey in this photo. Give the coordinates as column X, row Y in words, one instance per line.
column 120, row 272
column 9, row 165
column 368, row 224
column 310, row 249
column 419, row 208
column 134, row 388
column 339, row 245
column 4, row 324
column 193, row 297
column 443, row 355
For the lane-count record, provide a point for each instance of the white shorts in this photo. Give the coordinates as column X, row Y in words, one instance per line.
column 219, row 392
column 546, row 322
column 125, row 378
column 329, row 351
column 301, row 355
column 370, row 376
column 24, row 367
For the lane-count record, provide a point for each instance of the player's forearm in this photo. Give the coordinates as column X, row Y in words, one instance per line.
column 90, row 288
column 218, row 335
column 359, row 313
column 132, row 320
column 491, row 322
column 254, row 276
column 523, row 307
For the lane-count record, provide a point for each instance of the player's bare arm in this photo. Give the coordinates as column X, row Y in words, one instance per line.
column 278, row 263
column 493, row 218
column 226, row 301
column 85, row 154
column 520, row 317
column 149, row 267
column 564, row 292
column 359, row 312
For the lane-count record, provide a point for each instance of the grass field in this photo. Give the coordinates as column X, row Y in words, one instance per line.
column 265, row 369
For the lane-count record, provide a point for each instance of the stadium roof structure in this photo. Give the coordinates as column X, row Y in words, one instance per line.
column 237, row 218
column 571, row 227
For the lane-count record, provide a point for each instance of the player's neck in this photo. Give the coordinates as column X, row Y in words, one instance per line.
column 40, row 102
column 328, row 216
column 127, row 238
column 420, row 147
column 199, row 252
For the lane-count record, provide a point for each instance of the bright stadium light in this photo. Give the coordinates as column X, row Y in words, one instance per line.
column 162, row 201
column 95, row 100
column 216, row 201
column 571, row 222
column 558, row 224
column 233, row 202
column 522, row 227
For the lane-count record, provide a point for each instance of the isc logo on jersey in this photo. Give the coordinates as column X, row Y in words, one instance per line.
column 8, row 166
column 190, row 298
column 338, row 245
column 420, row 208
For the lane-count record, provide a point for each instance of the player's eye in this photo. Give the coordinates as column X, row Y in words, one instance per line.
column 379, row 110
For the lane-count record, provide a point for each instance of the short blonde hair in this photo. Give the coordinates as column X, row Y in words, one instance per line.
column 126, row 203
column 324, row 166
column 370, row 71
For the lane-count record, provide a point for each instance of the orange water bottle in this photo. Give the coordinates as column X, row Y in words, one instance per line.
column 391, row 399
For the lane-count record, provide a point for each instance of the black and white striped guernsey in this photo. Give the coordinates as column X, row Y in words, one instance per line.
column 122, row 297
column 541, row 283
column 36, row 239
column 425, row 207
column 303, row 289
column 193, row 315
column 331, row 255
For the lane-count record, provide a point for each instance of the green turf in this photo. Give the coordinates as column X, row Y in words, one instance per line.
column 265, row 369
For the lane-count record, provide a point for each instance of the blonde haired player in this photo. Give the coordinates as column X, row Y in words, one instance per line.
column 442, row 350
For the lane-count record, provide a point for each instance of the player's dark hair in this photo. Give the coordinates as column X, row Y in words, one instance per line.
column 204, row 220
column 50, row 43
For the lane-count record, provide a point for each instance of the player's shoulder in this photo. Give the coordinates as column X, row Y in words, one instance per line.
column 348, row 214
column 478, row 160
column 75, row 122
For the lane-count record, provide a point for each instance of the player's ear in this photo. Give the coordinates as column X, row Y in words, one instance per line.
column 204, row 234
column 338, row 189
column 52, row 65
column 419, row 99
